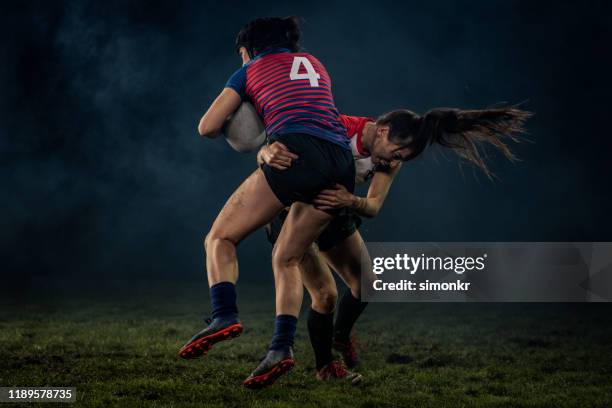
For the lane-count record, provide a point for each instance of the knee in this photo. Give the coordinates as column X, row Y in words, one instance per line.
column 324, row 300
column 356, row 291
column 283, row 260
column 352, row 277
column 355, row 287
column 215, row 237
column 207, row 239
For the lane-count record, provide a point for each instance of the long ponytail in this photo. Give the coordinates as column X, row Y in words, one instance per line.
column 463, row 131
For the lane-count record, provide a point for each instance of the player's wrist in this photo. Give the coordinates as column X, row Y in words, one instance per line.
column 258, row 157
column 261, row 155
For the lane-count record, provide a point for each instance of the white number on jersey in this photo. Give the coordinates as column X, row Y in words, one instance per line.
column 310, row 74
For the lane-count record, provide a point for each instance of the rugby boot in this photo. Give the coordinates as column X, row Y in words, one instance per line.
column 348, row 352
column 217, row 330
column 337, row 371
column 275, row 364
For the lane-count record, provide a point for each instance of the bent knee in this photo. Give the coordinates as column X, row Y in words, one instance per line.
column 207, row 239
column 324, row 301
column 215, row 237
column 355, row 288
column 282, row 259
column 352, row 277
column 281, row 263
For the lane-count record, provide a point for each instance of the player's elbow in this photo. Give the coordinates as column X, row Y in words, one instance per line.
column 372, row 210
column 370, row 213
column 205, row 132
column 206, row 129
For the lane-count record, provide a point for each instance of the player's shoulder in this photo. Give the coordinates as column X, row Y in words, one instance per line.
column 237, row 81
column 355, row 122
column 240, row 71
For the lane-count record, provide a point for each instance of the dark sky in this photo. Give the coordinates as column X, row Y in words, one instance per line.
column 103, row 173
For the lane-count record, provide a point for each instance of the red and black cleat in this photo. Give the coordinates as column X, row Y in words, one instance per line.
column 218, row 330
column 275, row 364
column 337, row 371
column 348, row 352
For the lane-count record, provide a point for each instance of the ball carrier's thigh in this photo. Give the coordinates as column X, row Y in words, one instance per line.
column 251, row 206
column 303, row 225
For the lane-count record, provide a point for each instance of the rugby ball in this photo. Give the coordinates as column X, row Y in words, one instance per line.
column 244, row 130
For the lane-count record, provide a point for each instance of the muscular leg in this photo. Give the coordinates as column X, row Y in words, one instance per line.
column 303, row 225
column 321, row 286
column 251, row 206
column 345, row 258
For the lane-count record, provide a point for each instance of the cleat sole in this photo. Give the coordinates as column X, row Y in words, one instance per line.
column 270, row 377
column 202, row 346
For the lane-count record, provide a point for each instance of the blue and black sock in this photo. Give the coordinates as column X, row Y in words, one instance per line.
column 284, row 332
column 223, row 299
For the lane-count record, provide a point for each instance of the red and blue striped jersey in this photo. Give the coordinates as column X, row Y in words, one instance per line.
column 292, row 93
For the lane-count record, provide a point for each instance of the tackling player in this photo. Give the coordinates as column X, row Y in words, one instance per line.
column 379, row 147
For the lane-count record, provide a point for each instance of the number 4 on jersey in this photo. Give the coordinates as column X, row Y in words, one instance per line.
column 310, row 74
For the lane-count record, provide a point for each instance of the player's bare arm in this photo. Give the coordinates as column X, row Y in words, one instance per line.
column 223, row 106
column 368, row 206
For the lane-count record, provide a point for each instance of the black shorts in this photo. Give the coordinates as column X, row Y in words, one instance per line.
column 340, row 228
column 320, row 165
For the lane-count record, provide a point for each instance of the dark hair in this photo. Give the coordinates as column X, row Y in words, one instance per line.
column 271, row 32
column 457, row 129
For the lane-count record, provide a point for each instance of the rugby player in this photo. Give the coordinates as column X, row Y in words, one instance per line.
column 291, row 91
column 379, row 146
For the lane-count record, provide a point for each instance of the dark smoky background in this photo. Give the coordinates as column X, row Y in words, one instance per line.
column 104, row 176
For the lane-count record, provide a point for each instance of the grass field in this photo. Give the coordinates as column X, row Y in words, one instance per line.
column 119, row 349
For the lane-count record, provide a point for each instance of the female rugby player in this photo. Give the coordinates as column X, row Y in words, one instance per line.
column 292, row 93
column 379, row 147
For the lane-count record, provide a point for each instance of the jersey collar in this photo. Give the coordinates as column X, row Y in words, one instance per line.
column 359, row 144
column 271, row 51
